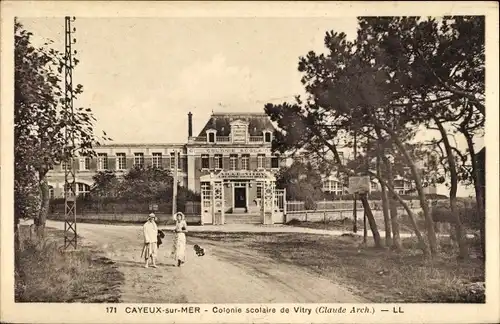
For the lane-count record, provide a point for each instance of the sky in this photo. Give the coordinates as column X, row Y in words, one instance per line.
column 141, row 76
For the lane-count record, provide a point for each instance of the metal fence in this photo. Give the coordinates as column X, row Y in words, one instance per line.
column 343, row 205
column 188, row 208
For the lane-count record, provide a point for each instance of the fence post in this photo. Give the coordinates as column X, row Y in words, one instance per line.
column 324, row 211
column 284, row 203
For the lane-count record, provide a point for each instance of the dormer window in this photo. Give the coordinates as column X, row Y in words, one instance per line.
column 267, row 137
column 211, row 136
column 239, row 131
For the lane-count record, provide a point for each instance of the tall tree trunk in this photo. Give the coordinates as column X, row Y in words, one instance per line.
column 385, row 208
column 44, row 206
column 393, row 208
column 371, row 220
column 460, row 233
column 429, row 223
column 411, row 215
column 390, row 199
column 478, row 188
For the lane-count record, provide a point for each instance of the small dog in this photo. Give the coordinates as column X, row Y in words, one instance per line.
column 159, row 236
column 199, row 250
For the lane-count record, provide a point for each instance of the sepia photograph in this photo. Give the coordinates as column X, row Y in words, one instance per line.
column 234, row 160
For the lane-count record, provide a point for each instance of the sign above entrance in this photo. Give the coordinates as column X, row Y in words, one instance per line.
column 229, row 150
column 243, row 174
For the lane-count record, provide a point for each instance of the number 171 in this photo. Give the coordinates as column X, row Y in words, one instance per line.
column 110, row 310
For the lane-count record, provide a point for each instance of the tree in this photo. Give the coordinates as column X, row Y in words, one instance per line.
column 146, row 184
column 377, row 84
column 139, row 185
column 302, row 182
column 40, row 121
column 105, row 184
column 439, row 64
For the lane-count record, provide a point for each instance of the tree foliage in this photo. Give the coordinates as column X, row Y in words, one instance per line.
column 302, row 182
column 40, row 122
column 398, row 75
column 139, row 185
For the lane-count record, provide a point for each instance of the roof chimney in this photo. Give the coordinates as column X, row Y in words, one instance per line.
column 190, row 124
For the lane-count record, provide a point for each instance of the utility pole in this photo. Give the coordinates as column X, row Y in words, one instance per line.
column 174, row 188
column 354, row 208
column 70, row 234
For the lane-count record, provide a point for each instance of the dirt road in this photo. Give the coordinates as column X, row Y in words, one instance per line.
column 223, row 275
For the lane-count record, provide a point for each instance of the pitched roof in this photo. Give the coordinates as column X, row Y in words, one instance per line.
column 221, row 122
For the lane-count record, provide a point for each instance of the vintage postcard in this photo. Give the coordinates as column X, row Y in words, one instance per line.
column 249, row 162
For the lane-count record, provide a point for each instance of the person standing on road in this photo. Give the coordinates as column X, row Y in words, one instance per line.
column 179, row 250
column 150, row 249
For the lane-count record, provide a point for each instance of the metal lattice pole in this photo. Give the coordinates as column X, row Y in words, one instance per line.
column 70, row 234
column 175, row 183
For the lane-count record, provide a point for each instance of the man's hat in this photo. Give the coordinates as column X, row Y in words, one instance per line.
column 152, row 215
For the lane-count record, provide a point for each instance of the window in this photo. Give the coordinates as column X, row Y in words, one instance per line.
column 139, row 160
column 275, row 162
column 336, row 187
column 399, row 184
column 259, row 191
column 374, row 186
column 172, row 160
column 157, row 160
column 102, row 161
column 267, row 137
column 233, row 161
column 244, row 162
column 333, row 186
column 82, row 189
column 51, row 192
column 260, row 161
column 205, row 161
column 120, row 161
column 326, row 185
column 64, row 165
column 218, row 161
column 84, row 163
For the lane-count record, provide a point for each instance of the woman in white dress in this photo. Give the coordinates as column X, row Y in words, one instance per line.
column 179, row 250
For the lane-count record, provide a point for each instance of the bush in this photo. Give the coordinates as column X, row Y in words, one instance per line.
column 123, row 205
column 468, row 215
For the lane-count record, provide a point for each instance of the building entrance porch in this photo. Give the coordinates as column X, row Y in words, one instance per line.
column 242, row 197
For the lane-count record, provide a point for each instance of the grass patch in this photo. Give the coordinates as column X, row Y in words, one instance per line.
column 338, row 224
column 347, row 224
column 45, row 273
column 379, row 275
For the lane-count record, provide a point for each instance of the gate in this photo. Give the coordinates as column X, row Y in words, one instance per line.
column 279, row 206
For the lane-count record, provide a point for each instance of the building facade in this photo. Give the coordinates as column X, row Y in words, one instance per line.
column 233, row 151
column 402, row 186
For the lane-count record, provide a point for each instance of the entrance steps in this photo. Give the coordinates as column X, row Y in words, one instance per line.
column 243, row 218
